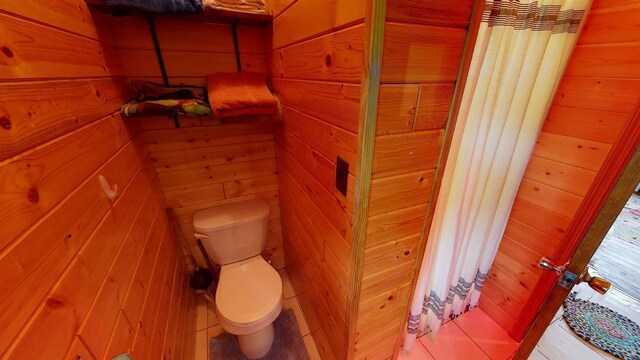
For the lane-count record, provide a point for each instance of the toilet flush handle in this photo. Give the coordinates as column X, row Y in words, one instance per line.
column 201, row 236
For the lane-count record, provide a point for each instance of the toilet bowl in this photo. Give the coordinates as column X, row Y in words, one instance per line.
column 248, row 299
column 249, row 295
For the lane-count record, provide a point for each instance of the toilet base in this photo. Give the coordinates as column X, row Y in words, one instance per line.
column 258, row 344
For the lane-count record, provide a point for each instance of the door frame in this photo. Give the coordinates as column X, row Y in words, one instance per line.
column 614, row 184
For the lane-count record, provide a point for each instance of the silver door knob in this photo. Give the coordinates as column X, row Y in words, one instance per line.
column 547, row 264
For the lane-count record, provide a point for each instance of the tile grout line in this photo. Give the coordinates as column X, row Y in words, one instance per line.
column 474, row 342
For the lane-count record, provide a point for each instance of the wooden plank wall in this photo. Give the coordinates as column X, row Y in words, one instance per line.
column 204, row 164
column 81, row 275
column 316, row 69
column 596, row 97
column 423, row 43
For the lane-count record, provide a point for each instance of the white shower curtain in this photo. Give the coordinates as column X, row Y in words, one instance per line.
column 520, row 53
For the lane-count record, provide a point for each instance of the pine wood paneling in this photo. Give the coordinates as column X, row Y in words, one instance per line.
column 571, row 150
column 31, row 50
column 436, row 12
column 611, row 60
column 336, row 56
column 598, row 93
column 595, row 125
column 68, row 250
column 331, row 141
column 397, row 154
column 434, row 105
column 569, row 178
column 619, row 24
column 416, row 53
column 317, row 51
column 308, row 18
column 422, row 50
column 35, row 112
column 401, row 191
column 396, row 108
column 528, row 213
column 28, row 277
column 121, row 338
column 334, row 103
column 35, row 181
column 190, row 50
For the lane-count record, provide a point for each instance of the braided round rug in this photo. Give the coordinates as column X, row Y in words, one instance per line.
column 602, row 327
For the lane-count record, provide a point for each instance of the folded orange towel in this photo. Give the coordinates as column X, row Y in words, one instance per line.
column 237, row 94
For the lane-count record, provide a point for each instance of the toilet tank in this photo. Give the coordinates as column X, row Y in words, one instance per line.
column 233, row 232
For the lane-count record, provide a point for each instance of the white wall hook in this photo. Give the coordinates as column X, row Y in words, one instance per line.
column 108, row 192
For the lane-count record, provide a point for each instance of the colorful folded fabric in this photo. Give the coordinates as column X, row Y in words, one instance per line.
column 167, row 106
column 238, row 94
column 145, row 90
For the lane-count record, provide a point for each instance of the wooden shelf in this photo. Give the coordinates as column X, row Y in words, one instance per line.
column 208, row 15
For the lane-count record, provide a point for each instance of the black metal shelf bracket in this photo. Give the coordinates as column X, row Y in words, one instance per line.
column 163, row 70
column 234, row 29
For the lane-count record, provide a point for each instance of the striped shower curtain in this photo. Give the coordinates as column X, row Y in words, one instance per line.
column 519, row 57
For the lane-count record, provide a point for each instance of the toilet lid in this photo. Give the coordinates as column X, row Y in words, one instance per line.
column 248, row 290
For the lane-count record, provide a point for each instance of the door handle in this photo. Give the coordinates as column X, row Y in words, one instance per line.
column 548, row 265
column 600, row 285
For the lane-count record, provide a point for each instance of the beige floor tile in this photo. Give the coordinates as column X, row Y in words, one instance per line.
column 452, row 343
column 310, row 344
column 289, row 292
column 202, row 345
column 201, row 313
column 487, row 334
column 418, row 352
column 214, row 331
column 292, row 303
column 212, row 318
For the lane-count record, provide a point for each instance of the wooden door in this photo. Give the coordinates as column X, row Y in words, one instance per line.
column 611, row 190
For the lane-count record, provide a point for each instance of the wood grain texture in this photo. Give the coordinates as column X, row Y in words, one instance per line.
column 307, row 18
column 331, row 141
column 423, row 44
column 434, row 104
column 69, row 253
column 335, row 103
column 70, row 15
column 396, row 108
column 316, row 66
column 398, row 154
column 35, row 112
column 440, row 12
column 72, row 223
column 336, row 56
column 190, row 50
column 417, row 53
column 32, row 183
column 32, row 50
column 618, row 24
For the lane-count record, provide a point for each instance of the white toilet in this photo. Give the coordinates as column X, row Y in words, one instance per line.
column 249, row 295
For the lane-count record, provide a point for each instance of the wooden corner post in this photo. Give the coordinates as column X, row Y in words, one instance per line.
column 370, row 84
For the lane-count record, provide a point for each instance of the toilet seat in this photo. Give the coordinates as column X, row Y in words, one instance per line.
column 249, row 296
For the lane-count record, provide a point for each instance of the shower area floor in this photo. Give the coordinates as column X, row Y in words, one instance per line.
column 473, row 335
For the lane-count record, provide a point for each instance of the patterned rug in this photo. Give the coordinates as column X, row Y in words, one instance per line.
column 287, row 342
column 602, row 327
